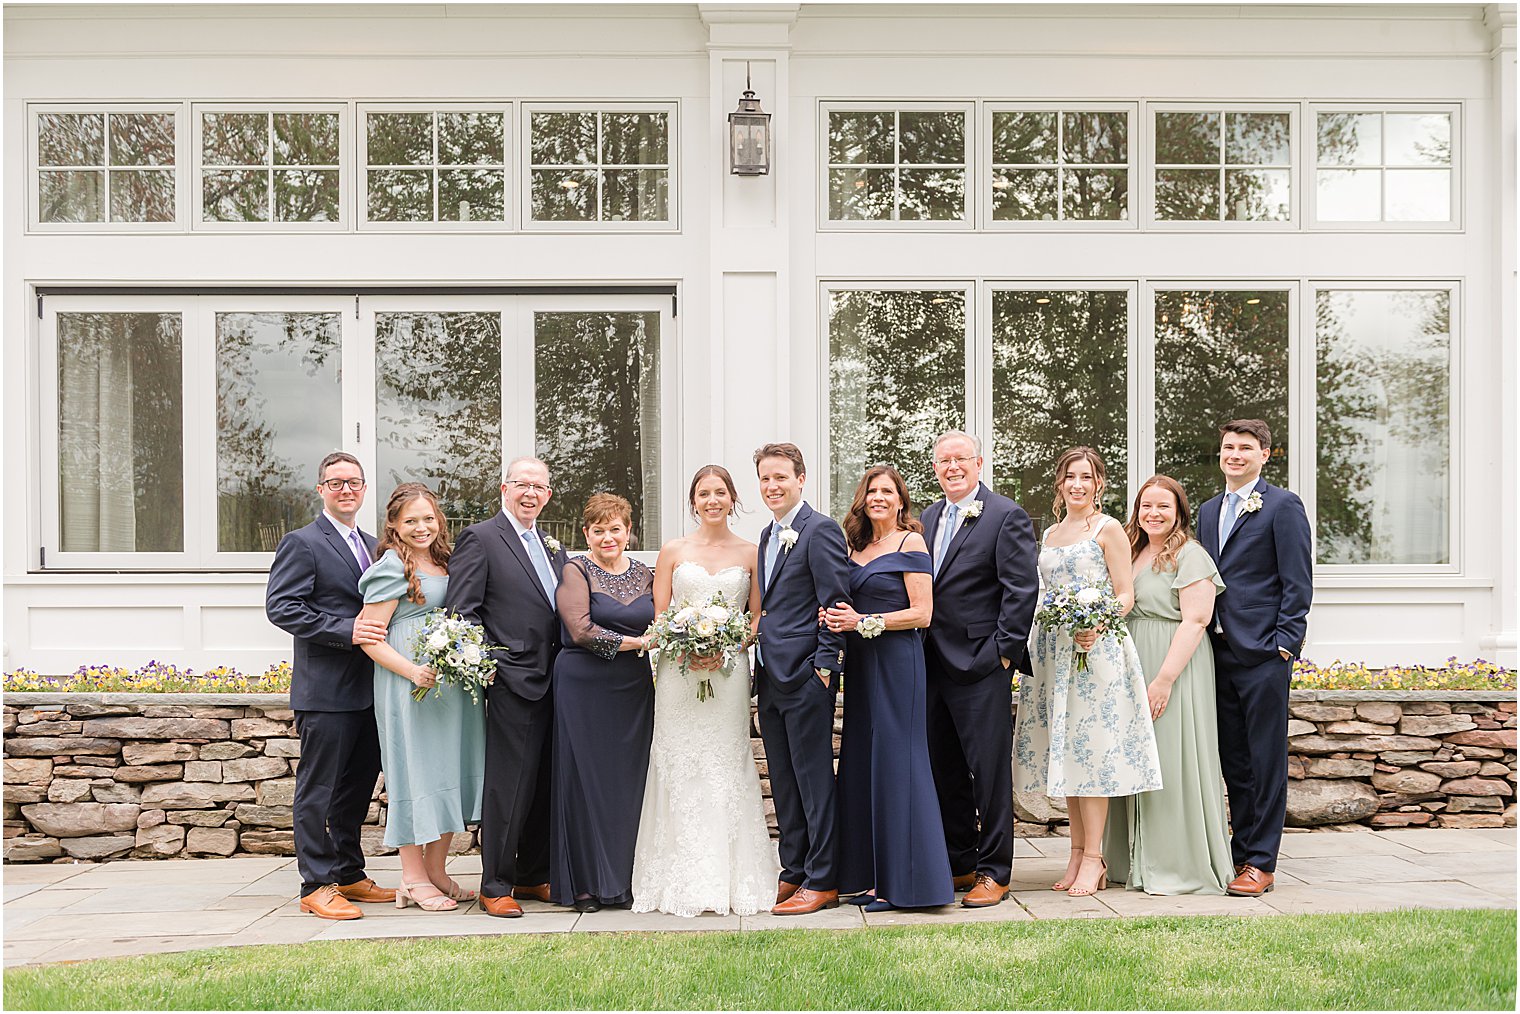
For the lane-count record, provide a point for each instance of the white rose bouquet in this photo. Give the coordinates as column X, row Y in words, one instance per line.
column 457, row 651
column 1082, row 607
column 710, row 628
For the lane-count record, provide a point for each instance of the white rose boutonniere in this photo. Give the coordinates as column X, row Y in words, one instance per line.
column 552, row 544
column 974, row 510
column 788, row 539
column 1252, row 504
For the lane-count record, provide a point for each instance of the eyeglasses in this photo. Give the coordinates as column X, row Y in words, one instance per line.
column 962, row 460
column 337, row 484
column 531, row 487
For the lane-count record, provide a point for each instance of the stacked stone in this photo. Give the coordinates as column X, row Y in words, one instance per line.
column 1401, row 763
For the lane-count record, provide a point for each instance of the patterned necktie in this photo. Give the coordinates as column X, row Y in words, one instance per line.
column 1227, row 519
column 952, row 515
column 540, row 562
column 772, row 551
column 360, row 553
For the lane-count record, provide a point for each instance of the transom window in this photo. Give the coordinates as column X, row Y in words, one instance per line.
column 1383, row 166
column 105, row 166
column 898, row 165
column 599, row 165
column 1067, row 165
column 447, row 165
column 1223, row 166
column 270, row 165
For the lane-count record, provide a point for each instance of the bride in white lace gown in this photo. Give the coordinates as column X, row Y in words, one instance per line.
column 703, row 844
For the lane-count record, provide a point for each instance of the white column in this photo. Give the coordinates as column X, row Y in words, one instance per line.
column 748, row 278
column 1499, row 645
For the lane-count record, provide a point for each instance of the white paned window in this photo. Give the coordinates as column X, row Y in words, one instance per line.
column 281, row 166
column 1384, row 166
column 104, row 167
column 903, row 165
column 1223, row 165
column 610, row 167
column 435, row 165
column 1059, row 165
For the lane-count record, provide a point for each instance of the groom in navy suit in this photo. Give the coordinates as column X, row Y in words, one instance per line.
column 1259, row 537
column 804, row 566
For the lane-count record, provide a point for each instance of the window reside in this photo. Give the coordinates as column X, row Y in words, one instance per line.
column 105, row 166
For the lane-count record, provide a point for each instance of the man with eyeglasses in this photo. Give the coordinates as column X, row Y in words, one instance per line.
column 503, row 575
column 986, row 582
column 313, row 594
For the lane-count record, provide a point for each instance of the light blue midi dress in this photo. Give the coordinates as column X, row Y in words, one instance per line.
column 433, row 751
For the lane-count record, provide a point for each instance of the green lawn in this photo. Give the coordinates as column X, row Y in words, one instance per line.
column 1394, row 960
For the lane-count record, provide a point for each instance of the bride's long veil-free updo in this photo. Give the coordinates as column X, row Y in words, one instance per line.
column 728, row 482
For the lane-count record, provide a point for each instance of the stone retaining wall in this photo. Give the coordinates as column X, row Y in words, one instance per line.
column 112, row 776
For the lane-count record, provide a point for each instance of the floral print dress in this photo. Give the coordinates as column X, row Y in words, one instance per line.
column 1083, row 732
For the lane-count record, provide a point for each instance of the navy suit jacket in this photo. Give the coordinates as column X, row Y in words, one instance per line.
column 1268, row 571
column 814, row 572
column 313, row 594
column 492, row 582
column 986, row 589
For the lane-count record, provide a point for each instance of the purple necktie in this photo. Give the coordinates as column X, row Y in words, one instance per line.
column 360, row 553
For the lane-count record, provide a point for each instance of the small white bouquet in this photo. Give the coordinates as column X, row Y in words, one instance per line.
column 1082, row 607
column 710, row 628
column 457, row 651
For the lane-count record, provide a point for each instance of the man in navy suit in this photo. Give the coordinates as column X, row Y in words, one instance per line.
column 313, row 594
column 804, row 566
column 986, row 582
column 503, row 575
column 1259, row 537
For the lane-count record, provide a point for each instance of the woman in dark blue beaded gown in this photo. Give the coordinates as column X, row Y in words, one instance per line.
column 603, row 714
column 891, row 840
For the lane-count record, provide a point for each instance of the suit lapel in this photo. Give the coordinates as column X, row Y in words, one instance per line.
column 514, row 543
column 340, row 547
column 797, row 525
column 1243, row 517
column 930, row 518
column 1208, row 525
column 963, row 532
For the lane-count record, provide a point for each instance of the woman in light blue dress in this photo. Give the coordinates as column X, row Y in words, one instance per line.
column 1084, row 734
column 432, row 751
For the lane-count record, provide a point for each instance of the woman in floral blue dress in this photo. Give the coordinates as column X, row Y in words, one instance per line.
column 1085, row 734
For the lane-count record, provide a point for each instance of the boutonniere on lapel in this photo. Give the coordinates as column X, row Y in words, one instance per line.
column 1252, row 504
column 788, row 538
column 552, row 544
column 973, row 511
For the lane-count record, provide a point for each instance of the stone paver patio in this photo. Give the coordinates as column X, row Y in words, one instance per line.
column 78, row 912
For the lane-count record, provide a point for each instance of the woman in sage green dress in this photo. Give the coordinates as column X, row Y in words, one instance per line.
column 433, row 750
column 1173, row 840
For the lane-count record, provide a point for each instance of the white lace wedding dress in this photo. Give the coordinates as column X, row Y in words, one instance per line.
column 703, row 843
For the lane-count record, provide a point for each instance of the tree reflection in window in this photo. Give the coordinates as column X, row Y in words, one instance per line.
column 1059, row 380
column 1220, row 355
column 268, row 166
column 897, row 379
column 597, row 416
column 1383, row 424
column 94, row 167
column 278, row 411
column 438, row 409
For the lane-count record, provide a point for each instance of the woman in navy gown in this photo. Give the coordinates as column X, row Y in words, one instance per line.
column 603, row 714
column 891, row 841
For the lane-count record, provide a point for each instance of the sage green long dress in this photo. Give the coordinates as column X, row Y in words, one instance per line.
column 1174, row 840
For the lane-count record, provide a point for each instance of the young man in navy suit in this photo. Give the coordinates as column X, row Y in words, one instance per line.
column 1259, row 537
column 986, row 582
column 804, row 566
column 314, row 595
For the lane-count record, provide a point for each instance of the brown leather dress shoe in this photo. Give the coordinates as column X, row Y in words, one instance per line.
column 964, row 882
column 531, row 892
column 986, row 893
column 368, row 892
column 326, row 903
column 785, row 889
column 805, row 901
column 1252, row 883
column 503, row 907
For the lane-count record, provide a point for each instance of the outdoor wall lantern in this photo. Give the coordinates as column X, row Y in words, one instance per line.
column 749, row 135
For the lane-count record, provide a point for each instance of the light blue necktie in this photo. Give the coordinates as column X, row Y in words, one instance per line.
column 772, row 551
column 1227, row 519
column 952, row 515
column 540, row 562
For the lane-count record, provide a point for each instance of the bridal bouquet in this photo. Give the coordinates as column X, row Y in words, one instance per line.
column 457, row 651
column 711, row 628
column 1082, row 607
